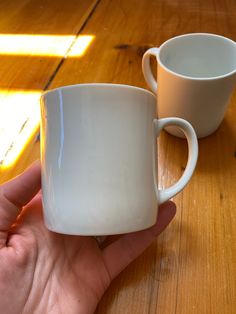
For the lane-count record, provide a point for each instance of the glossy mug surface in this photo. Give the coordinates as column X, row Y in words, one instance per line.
column 196, row 77
column 98, row 154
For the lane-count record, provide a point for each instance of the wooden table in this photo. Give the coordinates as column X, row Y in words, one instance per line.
column 191, row 268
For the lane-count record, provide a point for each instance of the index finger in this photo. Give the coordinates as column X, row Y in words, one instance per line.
column 14, row 195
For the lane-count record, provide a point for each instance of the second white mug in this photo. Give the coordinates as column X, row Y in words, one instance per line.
column 196, row 77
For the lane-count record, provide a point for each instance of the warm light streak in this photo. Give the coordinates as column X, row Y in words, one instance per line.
column 44, row 45
column 19, row 119
column 35, row 45
column 80, row 45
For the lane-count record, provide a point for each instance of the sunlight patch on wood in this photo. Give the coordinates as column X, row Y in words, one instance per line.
column 19, row 119
column 44, row 45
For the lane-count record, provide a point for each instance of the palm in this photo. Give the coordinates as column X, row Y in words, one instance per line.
column 46, row 272
column 67, row 272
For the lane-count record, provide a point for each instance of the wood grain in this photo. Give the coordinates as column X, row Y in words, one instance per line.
column 191, row 267
column 38, row 18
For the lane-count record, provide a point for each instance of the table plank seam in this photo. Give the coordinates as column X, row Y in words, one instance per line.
column 70, row 47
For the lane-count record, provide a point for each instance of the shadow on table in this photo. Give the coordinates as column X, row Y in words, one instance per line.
column 216, row 152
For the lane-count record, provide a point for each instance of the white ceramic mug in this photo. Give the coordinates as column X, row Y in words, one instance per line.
column 98, row 153
column 196, row 77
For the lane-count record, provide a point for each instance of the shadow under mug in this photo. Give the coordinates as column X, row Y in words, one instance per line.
column 98, row 154
column 196, row 77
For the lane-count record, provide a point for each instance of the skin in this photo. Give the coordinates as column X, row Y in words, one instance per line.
column 46, row 272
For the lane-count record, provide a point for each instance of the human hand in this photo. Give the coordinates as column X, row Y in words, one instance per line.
column 46, row 272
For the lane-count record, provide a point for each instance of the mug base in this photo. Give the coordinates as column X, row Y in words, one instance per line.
column 97, row 233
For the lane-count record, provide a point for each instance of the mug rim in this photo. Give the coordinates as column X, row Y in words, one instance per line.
column 74, row 86
column 192, row 77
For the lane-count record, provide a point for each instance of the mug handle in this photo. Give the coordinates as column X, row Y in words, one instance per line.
column 146, row 67
column 158, row 124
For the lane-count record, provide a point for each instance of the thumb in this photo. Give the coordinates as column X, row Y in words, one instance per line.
column 14, row 195
column 120, row 253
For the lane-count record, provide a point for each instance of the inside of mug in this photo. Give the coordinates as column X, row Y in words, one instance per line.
column 199, row 55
